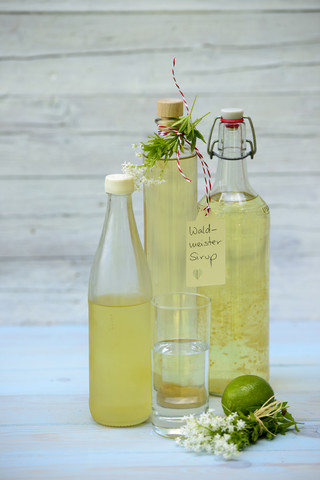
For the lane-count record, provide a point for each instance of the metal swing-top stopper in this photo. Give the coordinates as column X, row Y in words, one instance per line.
column 232, row 118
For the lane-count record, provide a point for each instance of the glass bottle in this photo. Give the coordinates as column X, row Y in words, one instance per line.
column 240, row 308
column 167, row 208
column 119, row 315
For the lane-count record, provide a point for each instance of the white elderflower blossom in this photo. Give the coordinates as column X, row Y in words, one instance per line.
column 227, row 436
column 230, row 451
column 240, row 424
column 211, row 433
column 137, row 145
column 142, row 174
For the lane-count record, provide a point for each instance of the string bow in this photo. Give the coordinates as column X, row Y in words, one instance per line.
column 164, row 130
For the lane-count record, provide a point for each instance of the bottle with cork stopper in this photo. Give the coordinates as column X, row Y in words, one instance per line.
column 167, row 208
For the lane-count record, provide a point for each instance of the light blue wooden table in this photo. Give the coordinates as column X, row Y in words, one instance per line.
column 47, row 432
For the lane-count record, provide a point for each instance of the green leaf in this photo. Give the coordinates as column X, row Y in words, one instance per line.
column 199, row 135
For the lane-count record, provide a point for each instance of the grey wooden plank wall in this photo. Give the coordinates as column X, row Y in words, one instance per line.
column 78, row 84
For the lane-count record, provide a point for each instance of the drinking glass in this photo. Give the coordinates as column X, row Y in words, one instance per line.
column 180, row 358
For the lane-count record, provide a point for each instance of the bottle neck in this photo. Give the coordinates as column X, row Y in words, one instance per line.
column 119, row 273
column 231, row 179
column 119, row 214
column 167, row 122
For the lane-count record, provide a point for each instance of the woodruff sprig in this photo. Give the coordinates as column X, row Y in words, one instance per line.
column 165, row 143
column 168, row 142
column 227, row 436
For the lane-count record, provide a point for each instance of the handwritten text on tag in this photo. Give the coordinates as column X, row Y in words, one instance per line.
column 205, row 251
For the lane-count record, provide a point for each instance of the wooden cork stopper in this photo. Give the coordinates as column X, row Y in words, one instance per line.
column 169, row 108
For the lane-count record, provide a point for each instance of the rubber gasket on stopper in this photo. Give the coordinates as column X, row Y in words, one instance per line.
column 232, row 115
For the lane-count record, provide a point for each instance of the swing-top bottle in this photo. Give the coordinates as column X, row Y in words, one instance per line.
column 240, row 307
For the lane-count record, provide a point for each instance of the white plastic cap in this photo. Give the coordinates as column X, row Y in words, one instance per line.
column 119, row 183
column 232, row 113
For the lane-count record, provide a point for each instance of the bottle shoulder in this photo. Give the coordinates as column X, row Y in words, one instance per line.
column 236, row 202
column 119, row 266
column 184, row 155
column 120, row 300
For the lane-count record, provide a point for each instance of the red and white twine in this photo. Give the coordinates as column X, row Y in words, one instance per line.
column 176, row 83
column 164, row 130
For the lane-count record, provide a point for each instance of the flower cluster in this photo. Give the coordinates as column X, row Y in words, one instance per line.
column 142, row 174
column 227, row 436
column 213, row 434
column 137, row 145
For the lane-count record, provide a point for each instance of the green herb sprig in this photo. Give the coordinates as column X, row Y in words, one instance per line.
column 229, row 435
column 270, row 420
column 163, row 147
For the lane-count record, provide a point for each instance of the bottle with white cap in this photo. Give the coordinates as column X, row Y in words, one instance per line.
column 167, row 208
column 119, row 315
column 240, row 307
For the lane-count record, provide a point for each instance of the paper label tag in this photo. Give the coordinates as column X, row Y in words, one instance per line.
column 205, row 251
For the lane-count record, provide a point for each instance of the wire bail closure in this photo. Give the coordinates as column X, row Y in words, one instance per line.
column 253, row 144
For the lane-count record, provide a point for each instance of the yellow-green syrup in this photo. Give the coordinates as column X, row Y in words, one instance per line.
column 239, row 340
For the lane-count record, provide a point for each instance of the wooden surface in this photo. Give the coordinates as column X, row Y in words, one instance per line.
column 47, row 432
column 79, row 81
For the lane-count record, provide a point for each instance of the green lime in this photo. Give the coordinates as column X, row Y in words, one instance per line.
column 246, row 393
